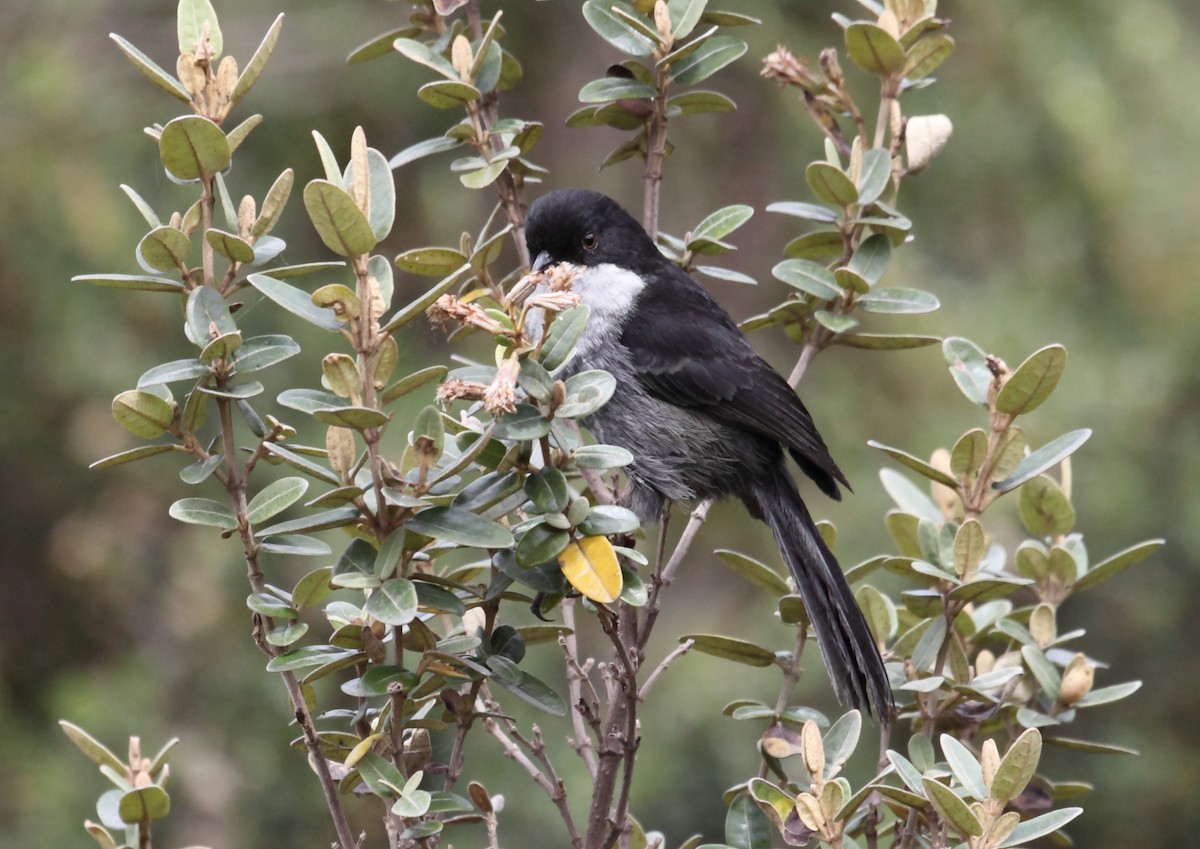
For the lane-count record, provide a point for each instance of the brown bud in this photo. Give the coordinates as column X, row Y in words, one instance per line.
column 417, row 750
column 831, row 66
column 662, row 22
column 247, row 214
column 373, row 646
column 1077, row 680
column 191, row 74
column 461, row 58
column 339, row 442
column 227, row 76
column 558, row 394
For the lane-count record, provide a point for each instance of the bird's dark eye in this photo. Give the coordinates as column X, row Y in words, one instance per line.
column 590, row 241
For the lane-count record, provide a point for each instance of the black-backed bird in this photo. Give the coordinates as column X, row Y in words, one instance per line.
column 702, row 413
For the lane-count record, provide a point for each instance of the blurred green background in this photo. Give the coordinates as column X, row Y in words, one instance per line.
column 1063, row 210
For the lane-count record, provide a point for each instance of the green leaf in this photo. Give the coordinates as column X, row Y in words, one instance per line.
column 130, row 281
column 260, row 352
column 601, row 457
column 275, row 498
column 333, row 171
column 437, row 144
column 965, row 766
column 807, row 211
column 1044, row 509
column 394, row 602
column 1118, row 562
column 1033, row 381
column 191, row 18
column 338, row 220
column 747, row 827
column 872, row 49
column 271, row 605
column 193, row 148
column 830, row 184
column 485, row 176
column 204, row 511
column 142, row 413
column 547, row 488
column 700, row 102
column 818, row 245
column 613, row 29
column 729, row 648
column 608, row 89
column 96, row 751
column 438, row 599
column 908, row 497
column 969, row 453
column 726, row 274
column 230, row 246
column 926, row 55
column 685, row 14
column 1049, row 455
column 586, row 392
column 296, row 545
column 874, row 176
column 721, row 223
column 949, row 805
column 968, row 367
column 1040, row 826
column 165, row 249
column 130, row 456
column 1018, row 766
column 431, row 262
column 410, row 382
column 810, row 277
column 899, row 301
column 561, row 336
column 608, row 519
column 916, row 464
column 1089, row 746
column 710, row 57
column 423, row 55
column 840, row 741
column 886, row 342
column 356, row 418
column 208, row 316
column 418, row 305
column 295, row 300
column 461, row 527
column 448, row 94
column 757, row 573
column 150, row 70
column 315, row 522
column 144, row 804
column 1107, row 695
column 174, row 371
column 531, row 690
column 254, row 68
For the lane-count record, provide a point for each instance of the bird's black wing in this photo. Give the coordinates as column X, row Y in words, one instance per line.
column 689, row 352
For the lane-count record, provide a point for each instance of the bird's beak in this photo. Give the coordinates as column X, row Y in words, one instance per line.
column 541, row 261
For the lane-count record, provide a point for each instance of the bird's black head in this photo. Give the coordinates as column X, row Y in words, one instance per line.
column 585, row 228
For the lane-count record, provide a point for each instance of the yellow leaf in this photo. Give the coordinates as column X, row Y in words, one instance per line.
column 592, row 568
column 361, row 749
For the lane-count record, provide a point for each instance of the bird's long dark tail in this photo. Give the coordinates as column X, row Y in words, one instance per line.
column 851, row 656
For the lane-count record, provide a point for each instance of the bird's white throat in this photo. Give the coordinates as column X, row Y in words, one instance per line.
column 610, row 292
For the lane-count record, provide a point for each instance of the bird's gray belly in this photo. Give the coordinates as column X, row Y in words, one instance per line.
column 680, row 454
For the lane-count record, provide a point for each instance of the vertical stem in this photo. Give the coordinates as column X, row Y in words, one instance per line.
column 656, row 152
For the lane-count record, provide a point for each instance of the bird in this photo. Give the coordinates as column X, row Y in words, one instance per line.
column 703, row 415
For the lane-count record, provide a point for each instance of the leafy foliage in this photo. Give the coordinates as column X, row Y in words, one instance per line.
column 505, row 504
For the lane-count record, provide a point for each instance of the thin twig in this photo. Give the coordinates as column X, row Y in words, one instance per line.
column 577, row 679
column 543, row 776
column 679, row 651
column 664, row 573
